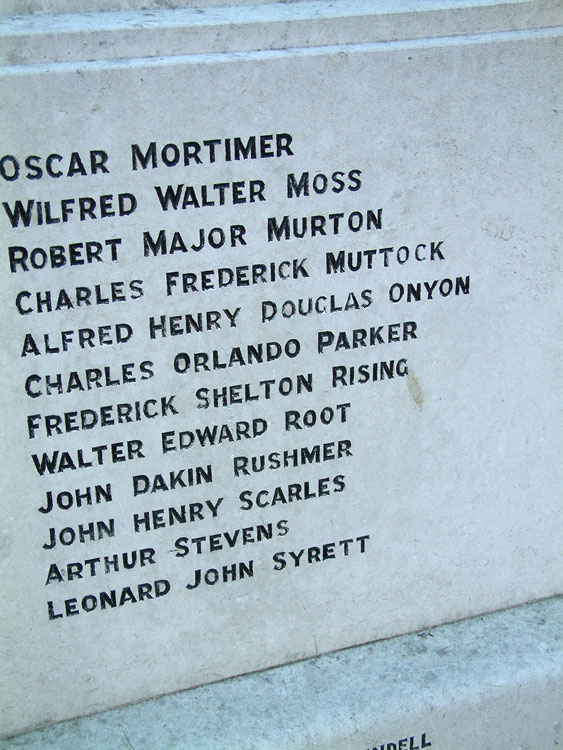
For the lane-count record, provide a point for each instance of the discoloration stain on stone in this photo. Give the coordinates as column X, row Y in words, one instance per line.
column 498, row 231
column 415, row 389
column 5, row 544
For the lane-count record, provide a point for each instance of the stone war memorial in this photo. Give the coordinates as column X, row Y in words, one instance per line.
column 281, row 374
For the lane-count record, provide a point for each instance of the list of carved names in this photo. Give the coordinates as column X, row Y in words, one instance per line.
column 215, row 308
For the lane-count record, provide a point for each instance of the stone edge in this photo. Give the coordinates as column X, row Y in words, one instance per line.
column 340, row 700
column 75, row 38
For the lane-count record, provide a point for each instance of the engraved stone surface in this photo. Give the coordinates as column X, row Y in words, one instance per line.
column 279, row 346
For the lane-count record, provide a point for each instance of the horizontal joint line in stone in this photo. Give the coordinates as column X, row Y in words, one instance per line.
column 265, row 54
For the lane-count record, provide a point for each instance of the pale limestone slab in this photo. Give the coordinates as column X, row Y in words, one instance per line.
column 451, row 494
column 489, row 682
column 525, row 8
column 49, row 7
column 126, row 33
